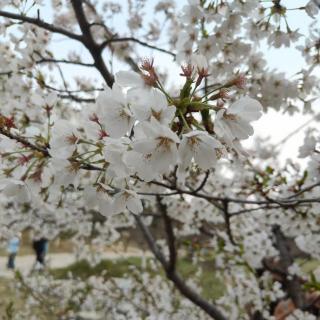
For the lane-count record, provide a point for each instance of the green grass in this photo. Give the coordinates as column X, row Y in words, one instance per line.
column 211, row 285
column 8, row 301
column 108, row 268
column 309, row 265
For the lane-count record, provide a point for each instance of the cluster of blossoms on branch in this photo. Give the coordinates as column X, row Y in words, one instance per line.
column 136, row 130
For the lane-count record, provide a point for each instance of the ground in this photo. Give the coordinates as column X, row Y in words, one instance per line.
column 61, row 264
column 116, row 262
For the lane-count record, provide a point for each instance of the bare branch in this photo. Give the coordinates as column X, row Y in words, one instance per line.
column 76, row 98
column 79, row 63
column 41, row 24
column 132, row 39
column 267, row 207
column 292, row 282
column 151, row 242
column 227, row 221
column 203, row 183
column 73, row 91
column 179, row 283
column 90, row 43
column 308, row 188
column 283, row 202
column 170, row 236
column 109, row 34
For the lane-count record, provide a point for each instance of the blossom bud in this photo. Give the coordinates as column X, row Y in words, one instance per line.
column 239, row 82
column 147, row 65
column 222, row 94
column 202, row 73
column 48, row 110
column 24, row 159
column 94, row 118
column 102, row 134
column 7, row 122
column 72, row 139
column 187, row 71
column 150, row 79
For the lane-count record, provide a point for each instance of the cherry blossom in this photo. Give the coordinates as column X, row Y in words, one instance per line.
column 234, row 123
column 115, row 113
column 152, row 104
column 203, row 148
column 64, row 139
column 127, row 199
column 157, row 144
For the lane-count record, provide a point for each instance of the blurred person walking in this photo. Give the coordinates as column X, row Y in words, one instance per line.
column 13, row 248
column 40, row 246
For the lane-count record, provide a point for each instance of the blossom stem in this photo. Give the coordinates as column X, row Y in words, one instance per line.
column 84, row 153
column 214, row 90
column 6, row 154
column 86, row 142
column 25, row 175
column 184, row 120
column 170, row 100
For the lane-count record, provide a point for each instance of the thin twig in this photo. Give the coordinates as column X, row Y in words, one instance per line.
column 79, row 63
column 132, row 39
column 41, row 24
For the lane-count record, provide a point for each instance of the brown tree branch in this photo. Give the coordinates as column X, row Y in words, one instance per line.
column 170, row 236
column 132, row 39
column 108, row 32
column 172, row 275
column 79, row 63
column 203, row 182
column 227, row 221
column 285, row 203
column 72, row 91
column 85, row 38
column 24, row 142
column 41, row 24
column 308, row 188
column 293, row 285
column 76, row 98
column 151, row 242
column 44, row 150
column 90, row 43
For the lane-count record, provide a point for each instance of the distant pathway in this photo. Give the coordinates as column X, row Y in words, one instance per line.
column 24, row 263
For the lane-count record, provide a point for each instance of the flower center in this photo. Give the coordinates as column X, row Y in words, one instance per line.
column 230, row 116
column 156, row 114
column 164, row 142
column 71, row 139
column 193, row 142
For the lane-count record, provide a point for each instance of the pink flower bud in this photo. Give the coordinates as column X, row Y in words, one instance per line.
column 202, row 73
column 187, row 71
column 147, row 65
column 102, row 134
column 240, row 81
column 94, row 118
